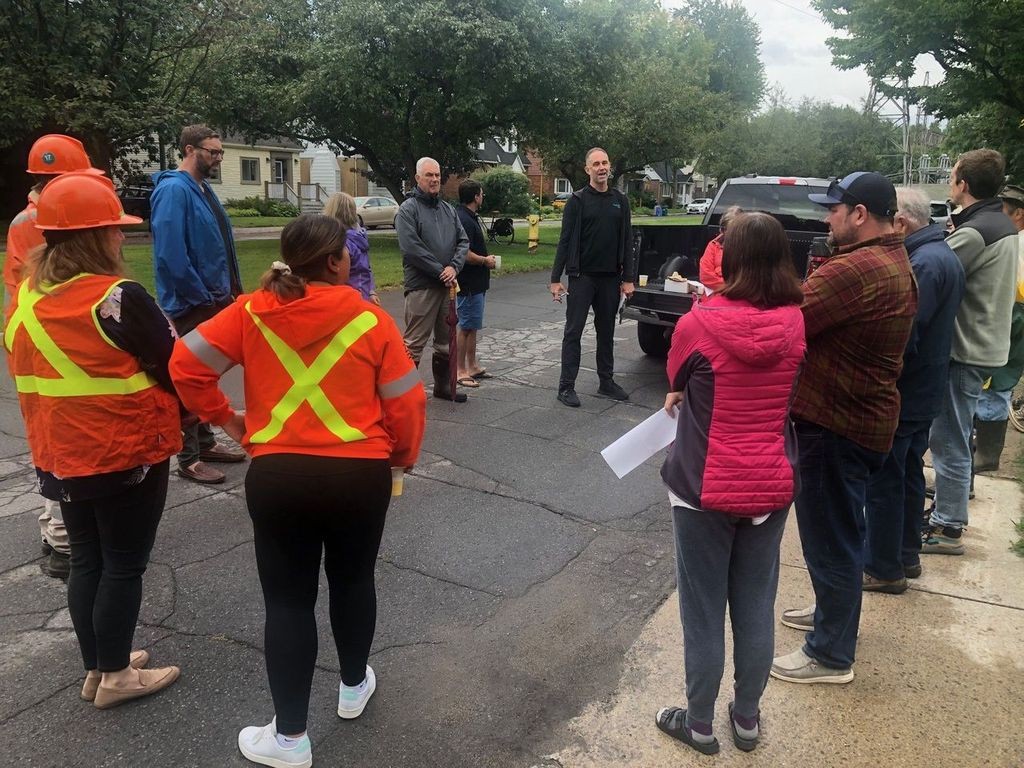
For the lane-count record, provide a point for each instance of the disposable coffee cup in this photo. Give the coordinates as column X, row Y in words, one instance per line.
column 497, row 261
column 397, row 480
column 643, row 281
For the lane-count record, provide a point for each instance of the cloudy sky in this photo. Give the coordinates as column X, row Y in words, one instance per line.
column 796, row 58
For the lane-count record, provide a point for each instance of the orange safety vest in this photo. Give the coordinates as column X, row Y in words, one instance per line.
column 88, row 406
column 337, row 392
column 22, row 238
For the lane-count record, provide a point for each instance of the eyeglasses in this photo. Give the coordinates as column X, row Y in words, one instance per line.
column 213, row 152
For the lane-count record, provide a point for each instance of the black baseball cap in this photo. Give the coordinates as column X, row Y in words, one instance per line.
column 872, row 190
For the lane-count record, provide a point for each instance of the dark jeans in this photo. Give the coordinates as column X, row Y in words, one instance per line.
column 895, row 505
column 301, row 506
column 198, row 437
column 721, row 558
column 834, row 474
column 111, row 538
column 602, row 293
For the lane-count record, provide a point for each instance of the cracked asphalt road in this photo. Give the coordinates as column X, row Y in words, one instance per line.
column 514, row 573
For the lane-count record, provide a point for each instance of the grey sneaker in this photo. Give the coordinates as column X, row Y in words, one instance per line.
column 942, row 540
column 799, row 618
column 894, row 587
column 798, row 667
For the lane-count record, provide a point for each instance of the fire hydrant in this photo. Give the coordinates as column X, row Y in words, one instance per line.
column 534, row 234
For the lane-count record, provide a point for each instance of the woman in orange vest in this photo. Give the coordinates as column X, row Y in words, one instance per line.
column 88, row 351
column 333, row 402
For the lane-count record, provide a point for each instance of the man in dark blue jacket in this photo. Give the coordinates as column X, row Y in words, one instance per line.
column 196, row 269
column 895, row 498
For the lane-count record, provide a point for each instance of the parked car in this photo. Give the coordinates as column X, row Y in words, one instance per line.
column 661, row 250
column 940, row 211
column 699, row 206
column 560, row 200
column 376, row 211
column 135, row 199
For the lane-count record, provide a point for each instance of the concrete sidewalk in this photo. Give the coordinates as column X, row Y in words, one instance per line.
column 939, row 672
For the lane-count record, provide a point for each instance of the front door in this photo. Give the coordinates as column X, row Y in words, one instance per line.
column 280, row 171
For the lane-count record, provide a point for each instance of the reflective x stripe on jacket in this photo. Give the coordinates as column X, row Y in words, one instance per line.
column 72, row 381
column 306, row 380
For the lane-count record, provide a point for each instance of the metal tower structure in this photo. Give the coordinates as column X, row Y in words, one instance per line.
column 889, row 98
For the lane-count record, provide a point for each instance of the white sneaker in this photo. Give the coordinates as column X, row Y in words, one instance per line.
column 352, row 700
column 260, row 745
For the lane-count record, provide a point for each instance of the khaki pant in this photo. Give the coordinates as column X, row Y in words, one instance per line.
column 426, row 311
column 51, row 527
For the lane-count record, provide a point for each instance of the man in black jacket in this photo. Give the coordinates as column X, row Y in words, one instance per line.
column 595, row 251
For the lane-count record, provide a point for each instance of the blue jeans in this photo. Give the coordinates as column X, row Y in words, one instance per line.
column 834, row 474
column 895, row 502
column 722, row 558
column 994, row 406
column 950, row 443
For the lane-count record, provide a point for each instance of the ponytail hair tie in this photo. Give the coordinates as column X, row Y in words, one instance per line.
column 281, row 267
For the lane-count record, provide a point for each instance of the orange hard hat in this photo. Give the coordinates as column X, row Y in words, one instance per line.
column 56, row 153
column 80, row 200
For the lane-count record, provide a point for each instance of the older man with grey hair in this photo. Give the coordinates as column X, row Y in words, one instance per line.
column 895, row 496
column 434, row 247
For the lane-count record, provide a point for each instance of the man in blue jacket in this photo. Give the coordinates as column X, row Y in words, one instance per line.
column 196, row 269
column 895, row 497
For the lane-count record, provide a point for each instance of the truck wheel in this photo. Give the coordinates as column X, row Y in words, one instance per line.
column 653, row 339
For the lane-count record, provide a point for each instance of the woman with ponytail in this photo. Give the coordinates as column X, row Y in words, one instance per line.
column 333, row 402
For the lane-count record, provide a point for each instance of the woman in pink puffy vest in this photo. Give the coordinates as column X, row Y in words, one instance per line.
column 732, row 474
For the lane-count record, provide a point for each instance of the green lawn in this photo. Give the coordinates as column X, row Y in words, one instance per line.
column 661, row 221
column 254, row 257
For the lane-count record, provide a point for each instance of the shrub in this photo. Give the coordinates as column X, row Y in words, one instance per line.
column 242, row 213
column 264, row 207
column 505, row 191
column 642, row 211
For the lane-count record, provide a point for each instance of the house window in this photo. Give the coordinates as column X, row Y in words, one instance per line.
column 482, row 145
column 250, row 170
column 562, row 186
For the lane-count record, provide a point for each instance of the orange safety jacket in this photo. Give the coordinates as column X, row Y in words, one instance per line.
column 22, row 238
column 326, row 374
column 88, row 405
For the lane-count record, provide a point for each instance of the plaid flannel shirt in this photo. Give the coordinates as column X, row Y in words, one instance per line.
column 858, row 308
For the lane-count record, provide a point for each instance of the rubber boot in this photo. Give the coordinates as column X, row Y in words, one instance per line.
column 989, row 439
column 442, row 384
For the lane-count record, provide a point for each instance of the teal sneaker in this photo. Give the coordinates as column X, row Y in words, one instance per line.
column 942, row 540
column 352, row 699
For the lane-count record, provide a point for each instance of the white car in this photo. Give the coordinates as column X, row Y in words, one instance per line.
column 376, row 211
column 700, row 205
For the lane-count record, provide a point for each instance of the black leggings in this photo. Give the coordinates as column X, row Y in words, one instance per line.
column 301, row 505
column 111, row 538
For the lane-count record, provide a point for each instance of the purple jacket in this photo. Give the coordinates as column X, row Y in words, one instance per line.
column 360, row 275
column 735, row 448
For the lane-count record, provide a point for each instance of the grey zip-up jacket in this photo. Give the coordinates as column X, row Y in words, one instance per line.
column 985, row 241
column 431, row 238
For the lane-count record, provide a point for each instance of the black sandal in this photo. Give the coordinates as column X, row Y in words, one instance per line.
column 747, row 745
column 672, row 720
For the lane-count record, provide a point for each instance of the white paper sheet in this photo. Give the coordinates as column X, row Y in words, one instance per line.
column 640, row 443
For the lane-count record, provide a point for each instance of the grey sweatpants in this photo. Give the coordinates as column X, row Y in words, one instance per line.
column 722, row 558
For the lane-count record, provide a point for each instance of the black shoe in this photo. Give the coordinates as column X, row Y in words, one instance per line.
column 611, row 389
column 569, row 397
column 56, row 566
column 912, row 571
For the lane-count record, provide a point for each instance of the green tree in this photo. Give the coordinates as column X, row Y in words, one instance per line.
column 394, row 80
column 505, row 191
column 976, row 42
column 632, row 79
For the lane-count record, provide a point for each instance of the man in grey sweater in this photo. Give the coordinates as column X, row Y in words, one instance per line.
column 985, row 241
column 434, row 247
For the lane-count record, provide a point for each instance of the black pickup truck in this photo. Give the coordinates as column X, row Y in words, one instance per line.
column 666, row 248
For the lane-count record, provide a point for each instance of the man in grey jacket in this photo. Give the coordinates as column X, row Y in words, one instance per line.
column 434, row 247
column 985, row 241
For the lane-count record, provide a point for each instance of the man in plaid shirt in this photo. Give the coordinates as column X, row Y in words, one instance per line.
column 858, row 309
